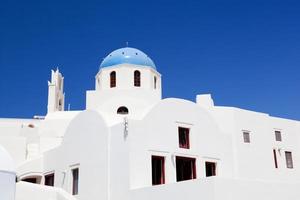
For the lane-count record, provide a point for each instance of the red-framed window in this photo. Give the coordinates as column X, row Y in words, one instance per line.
column 113, row 79
column 184, row 137
column 137, row 78
column 275, row 158
column 158, row 170
column 49, row 179
column 210, row 169
column 75, row 184
column 185, row 168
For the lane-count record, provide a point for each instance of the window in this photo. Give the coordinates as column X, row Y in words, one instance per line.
column 278, row 136
column 158, row 170
column 210, row 168
column 49, row 179
column 185, row 168
column 137, row 78
column 246, row 136
column 183, row 134
column 30, row 180
column 113, row 79
column 122, row 110
column 275, row 158
column 75, row 176
column 289, row 159
column 33, row 179
column 155, row 82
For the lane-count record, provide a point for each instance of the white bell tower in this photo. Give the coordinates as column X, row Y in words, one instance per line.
column 56, row 96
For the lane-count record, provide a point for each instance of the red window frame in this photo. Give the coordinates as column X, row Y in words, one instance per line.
column 184, row 137
column 137, row 78
column 193, row 174
column 275, row 158
column 75, row 181
column 162, row 178
column 49, row 179
column 113, row 79
column 213, row 168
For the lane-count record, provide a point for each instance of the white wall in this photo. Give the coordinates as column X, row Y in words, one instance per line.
column 7, row 185
column 157, row 134
column 85, row 146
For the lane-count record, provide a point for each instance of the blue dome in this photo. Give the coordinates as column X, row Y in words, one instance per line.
column 127, row 55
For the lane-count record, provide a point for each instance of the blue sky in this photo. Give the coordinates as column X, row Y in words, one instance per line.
column 246, row 53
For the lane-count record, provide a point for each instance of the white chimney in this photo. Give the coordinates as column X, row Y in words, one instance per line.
column 205, row 100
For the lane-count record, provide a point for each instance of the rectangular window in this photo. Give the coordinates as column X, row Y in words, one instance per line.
column 275, row 158
column 289, row 159
column 210, row 168
column 246, row 136
column 278, row 135
column 158, row 170
column 49, row 179
column 184, row 137
column 75, row 176
column 185, row 168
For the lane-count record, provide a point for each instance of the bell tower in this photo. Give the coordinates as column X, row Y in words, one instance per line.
column 56, row 96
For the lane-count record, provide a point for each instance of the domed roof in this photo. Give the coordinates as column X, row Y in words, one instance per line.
column 6, row 162
column 127, row 55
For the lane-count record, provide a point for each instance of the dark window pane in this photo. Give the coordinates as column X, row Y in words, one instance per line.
column 113, row 79
column 185, row 168
column 210, row 168
column 158, row 170
column 289, row 159
column 75, row 176
column 278, row 135
column 137, row 78
column 122, row 110
column 30, row 180
column 275, row 158
column 246, row 136
column 183, row 134
column 49, row 180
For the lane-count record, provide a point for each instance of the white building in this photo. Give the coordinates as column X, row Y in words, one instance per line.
column 131, row 144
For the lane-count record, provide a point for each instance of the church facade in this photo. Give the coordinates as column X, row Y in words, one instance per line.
column 131, row 144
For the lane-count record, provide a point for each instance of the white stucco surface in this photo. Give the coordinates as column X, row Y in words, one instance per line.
column 113, row 151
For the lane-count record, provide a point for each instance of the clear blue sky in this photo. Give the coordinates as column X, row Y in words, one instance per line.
column 246, row 53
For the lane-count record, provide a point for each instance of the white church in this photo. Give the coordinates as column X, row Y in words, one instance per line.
column 130, row 144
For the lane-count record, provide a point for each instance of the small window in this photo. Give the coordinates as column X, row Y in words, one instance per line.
column 275, row 158
column 49, row 179
column 184, row 137
column 246, row 136
column 289, row 159
column 113, row 79
column 137, row 78
column 278, row 136
column 122, row 110
column 210, row 168
column 158, row 170
column 30, row 180
column 75, row 177
column 185, row 168
column 155, row 82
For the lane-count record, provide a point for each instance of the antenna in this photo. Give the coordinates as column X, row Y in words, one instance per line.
column 127, row 43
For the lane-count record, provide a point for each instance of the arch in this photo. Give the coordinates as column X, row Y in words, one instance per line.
column 32, row 178
column 137, row 78
column 122, row 110
column 113, row 79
